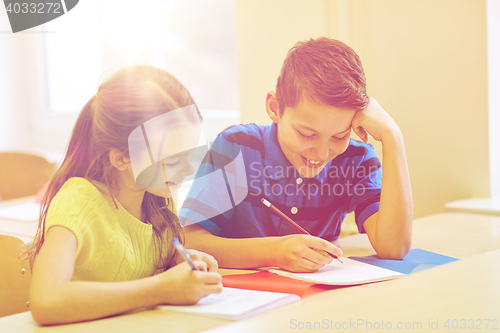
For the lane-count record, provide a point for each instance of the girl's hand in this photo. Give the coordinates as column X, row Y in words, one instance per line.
column 181, row 285
column 375, row 121
column 211, row 262
column 299, row 253
column 56, row 299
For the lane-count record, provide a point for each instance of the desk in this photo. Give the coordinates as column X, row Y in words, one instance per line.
column 24, row 230
column 466, row 289
column 490, row 206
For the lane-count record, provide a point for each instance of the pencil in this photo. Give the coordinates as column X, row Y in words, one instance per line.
column 294, row 224
column 185, row 254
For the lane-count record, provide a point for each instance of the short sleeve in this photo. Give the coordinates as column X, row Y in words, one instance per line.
column 366, row 188
column 67, row 209
column 220, row 184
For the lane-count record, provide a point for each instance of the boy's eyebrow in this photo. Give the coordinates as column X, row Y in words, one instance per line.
column 313, row 130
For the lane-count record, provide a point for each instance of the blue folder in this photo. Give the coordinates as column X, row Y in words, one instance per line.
column 416, row 260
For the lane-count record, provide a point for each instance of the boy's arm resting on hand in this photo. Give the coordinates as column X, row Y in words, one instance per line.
column 55, row 299
column 293, row 252
column 390, row 229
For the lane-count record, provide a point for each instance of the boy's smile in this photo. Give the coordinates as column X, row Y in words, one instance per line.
column 311, row 134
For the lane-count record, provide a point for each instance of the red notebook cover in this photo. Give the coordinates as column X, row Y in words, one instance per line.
column 266, row 281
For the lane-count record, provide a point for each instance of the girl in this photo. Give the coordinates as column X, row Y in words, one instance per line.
column 103, row 243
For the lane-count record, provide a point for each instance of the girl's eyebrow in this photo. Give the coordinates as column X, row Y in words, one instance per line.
column 313, row 130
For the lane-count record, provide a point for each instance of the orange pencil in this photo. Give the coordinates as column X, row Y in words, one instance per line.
column 294, row 224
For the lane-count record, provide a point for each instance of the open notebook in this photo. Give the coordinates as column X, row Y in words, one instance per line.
column 350, row 272
column 235, row 304
column 359, row 270
column 337, row 275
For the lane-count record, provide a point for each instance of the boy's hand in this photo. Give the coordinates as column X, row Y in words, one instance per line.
column 375, row 121
column 211, row 262
column 297, row 253
column 389, row 230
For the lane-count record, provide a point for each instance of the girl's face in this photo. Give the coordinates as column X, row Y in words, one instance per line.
column 161, row 150
column 172, row 176
column 175, row 169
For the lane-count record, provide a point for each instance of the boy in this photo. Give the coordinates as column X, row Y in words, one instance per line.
column 307, row 166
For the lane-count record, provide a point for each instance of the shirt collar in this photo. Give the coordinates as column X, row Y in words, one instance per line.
column 277, row 164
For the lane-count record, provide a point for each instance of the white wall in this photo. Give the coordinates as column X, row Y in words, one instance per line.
column 493, row 20
column 426, row 63
column 13, row 132
column 265, row 31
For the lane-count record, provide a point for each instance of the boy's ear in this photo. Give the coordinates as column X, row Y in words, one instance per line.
column 272, row 106
column 118, row 160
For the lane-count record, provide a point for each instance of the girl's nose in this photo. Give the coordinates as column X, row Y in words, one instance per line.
column 187, row 167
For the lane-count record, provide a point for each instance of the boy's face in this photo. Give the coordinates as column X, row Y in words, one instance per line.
column 311, row 134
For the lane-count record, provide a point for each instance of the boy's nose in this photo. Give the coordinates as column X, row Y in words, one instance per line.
column 322, row 151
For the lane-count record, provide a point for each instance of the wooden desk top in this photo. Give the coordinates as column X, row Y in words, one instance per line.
column 6, row 203
column 490, row 206
column 462, row 290
column 24, row 230
column 458, row 235
column 468, row 289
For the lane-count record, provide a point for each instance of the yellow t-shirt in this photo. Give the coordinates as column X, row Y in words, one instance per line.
column 112, row 245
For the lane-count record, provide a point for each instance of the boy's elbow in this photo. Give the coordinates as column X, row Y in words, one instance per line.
column 396, row 252
column 394, row 246
column 392, row 255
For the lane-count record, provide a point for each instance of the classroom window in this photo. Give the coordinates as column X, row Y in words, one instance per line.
column 194, row 40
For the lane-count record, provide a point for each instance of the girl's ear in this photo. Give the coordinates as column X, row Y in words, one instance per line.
column 118, row 160
column 272, row 106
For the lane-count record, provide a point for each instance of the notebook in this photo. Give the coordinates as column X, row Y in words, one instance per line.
column 266, row 281
column 416, row 260
column 350, row 272
column 235, row 304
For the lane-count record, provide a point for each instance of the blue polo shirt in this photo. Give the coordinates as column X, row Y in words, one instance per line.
column 229, row 205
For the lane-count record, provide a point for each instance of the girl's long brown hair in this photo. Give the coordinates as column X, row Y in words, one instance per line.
column 123, row 102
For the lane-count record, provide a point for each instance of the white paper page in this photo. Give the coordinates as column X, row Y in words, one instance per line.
column 348, row 273
column 28, row 211
column 235, row 303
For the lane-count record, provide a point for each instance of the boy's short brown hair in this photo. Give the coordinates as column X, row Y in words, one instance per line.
column 325, row 70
